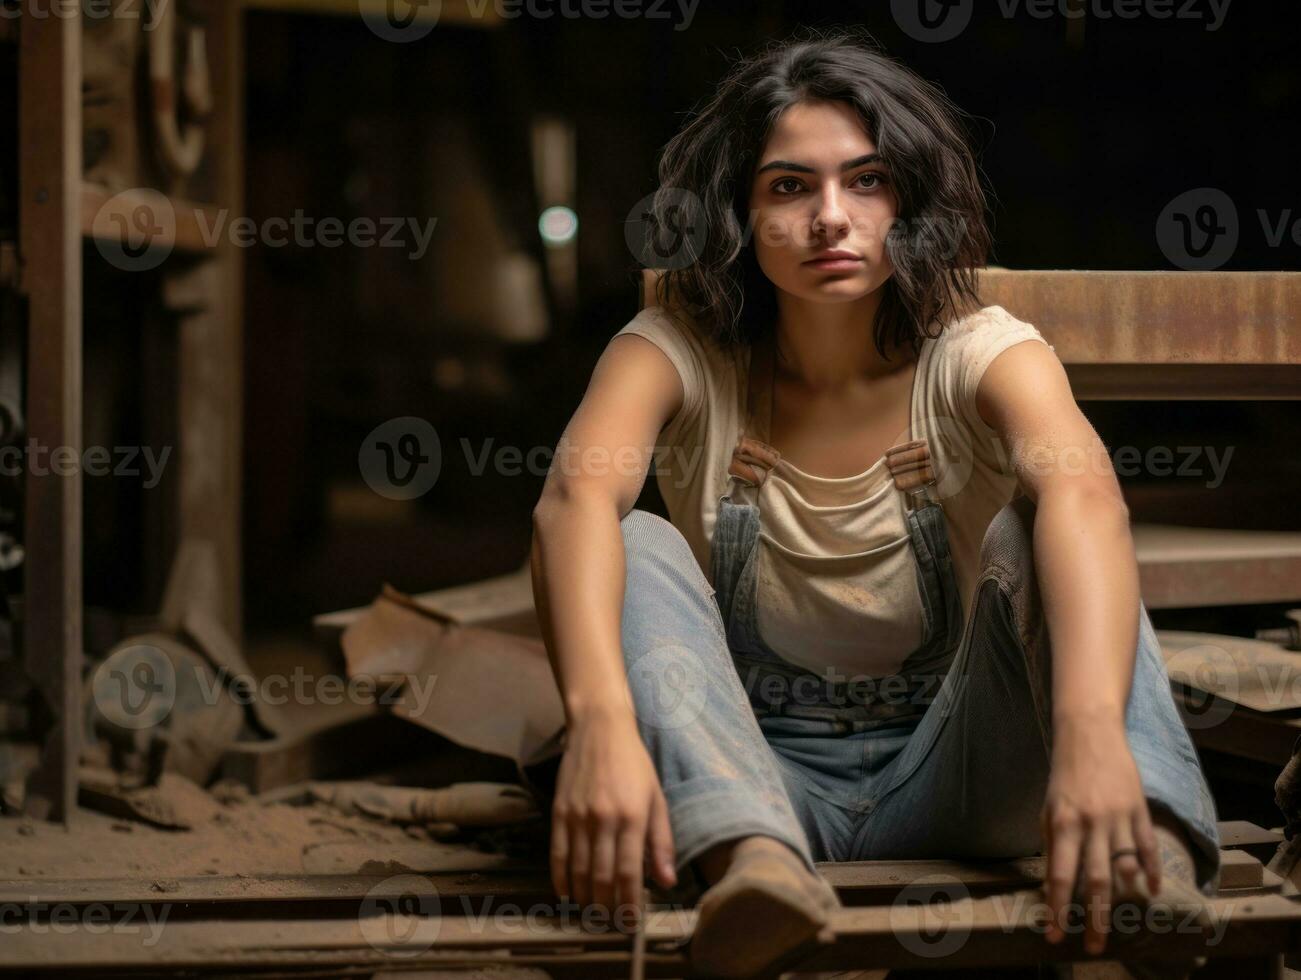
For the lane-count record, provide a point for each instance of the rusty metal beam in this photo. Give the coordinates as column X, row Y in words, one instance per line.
column 1152, row 318
column 1143, row 335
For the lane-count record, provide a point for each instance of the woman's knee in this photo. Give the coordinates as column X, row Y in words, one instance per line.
column 666, row 590
column 652, row 545
column 1008, row 545
column 1007, row 555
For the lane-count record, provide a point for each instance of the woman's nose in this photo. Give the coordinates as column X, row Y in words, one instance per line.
column 831, row 219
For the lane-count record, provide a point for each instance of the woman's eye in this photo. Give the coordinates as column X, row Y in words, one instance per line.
column 789, row 185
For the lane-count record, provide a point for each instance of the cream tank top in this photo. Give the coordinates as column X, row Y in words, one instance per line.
column 837, row 586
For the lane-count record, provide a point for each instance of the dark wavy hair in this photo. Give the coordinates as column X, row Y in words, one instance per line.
column 706, row 170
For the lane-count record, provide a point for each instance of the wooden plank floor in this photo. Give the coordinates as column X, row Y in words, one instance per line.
column 988, row 931
column 351, row 925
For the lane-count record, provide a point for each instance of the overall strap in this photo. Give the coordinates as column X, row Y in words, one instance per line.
column 753, row 458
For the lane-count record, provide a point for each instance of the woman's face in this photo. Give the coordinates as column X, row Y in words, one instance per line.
column 818, row 188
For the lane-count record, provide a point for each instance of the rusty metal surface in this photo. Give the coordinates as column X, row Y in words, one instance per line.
column 1182, row 318
column 1156, row 317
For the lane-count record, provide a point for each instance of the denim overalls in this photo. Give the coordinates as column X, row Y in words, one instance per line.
column 774, row 684
column 951, row 761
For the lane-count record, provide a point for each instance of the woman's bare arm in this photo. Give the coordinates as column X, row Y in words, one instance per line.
column 608, row 799
column 1088, row 578
column 598, row 472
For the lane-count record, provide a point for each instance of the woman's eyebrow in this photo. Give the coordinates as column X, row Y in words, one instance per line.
column 801, row 168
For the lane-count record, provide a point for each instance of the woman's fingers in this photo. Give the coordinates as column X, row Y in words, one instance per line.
column 628, row 870
column 1149, row 853
column 1063, row 832
column 560, row 856
column 604, row 829
column 1127, row 867
column 1097, row 886
column 580, row 862
column 660, row 837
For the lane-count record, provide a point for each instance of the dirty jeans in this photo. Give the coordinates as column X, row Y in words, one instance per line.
column 965, row 780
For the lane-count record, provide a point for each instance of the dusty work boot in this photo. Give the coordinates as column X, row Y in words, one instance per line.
column 765, row 905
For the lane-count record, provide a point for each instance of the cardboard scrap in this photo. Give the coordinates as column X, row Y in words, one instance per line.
column 486, row 689
column 504, row 603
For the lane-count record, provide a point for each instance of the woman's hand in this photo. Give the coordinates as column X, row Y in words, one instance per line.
column 1094, row 807
column 608, row 815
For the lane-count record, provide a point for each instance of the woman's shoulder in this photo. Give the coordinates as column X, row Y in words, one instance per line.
column 982, row 332
column 985, row 320
column 668, row 318
column 669, row 327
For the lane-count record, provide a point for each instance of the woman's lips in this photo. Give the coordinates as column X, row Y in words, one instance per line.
column 835, row 264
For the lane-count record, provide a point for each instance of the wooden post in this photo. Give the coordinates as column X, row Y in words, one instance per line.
column 49, row 127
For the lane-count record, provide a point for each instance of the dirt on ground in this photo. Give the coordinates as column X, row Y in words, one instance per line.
column 231, row 835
